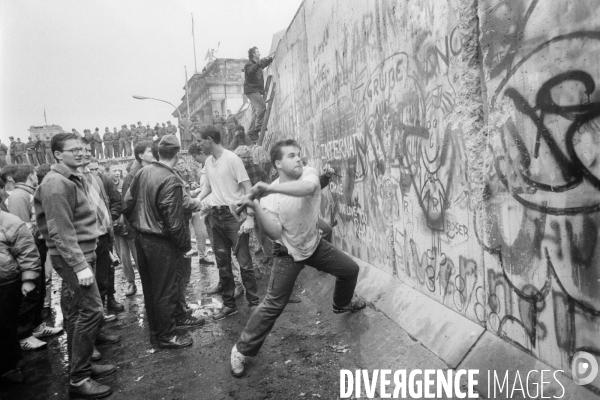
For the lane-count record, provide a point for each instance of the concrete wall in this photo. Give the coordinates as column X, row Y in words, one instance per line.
column 467, row 140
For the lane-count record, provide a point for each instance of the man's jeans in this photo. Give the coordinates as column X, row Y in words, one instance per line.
column 125, row 249
column 48, row 272
column 326, row 258
column 197, row 224
column 82, row 311
column 225, row 238
column 184, row 272
column 103, row 265
column 259, row 107
column 157, row 257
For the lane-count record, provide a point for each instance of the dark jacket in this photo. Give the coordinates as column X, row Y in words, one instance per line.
column 19, row 258
column 65, row 218
column 253, row 72
column 154, row 205
column 113, row 196
column 123, row 227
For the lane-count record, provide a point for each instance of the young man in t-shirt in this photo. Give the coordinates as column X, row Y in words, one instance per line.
column 289, row 216
column 227, row 181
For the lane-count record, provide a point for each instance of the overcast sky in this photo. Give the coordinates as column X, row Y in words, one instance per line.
column 83, row 60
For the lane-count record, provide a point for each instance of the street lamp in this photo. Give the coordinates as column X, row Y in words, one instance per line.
column 164, row 101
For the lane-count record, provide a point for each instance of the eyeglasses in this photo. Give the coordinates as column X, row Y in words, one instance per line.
column 78, row 151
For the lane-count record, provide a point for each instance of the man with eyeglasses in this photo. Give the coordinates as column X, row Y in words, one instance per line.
column 68, row 222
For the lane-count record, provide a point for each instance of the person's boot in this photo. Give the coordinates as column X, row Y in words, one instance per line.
column 355, row 305
column 225, row 312
column 176, row 342
column 237, row 363
column 188, row 320
column 105, row 338
column 100, row 371
column 131, row 289
column 294, row 298
column 89, row 389
column 113, row 304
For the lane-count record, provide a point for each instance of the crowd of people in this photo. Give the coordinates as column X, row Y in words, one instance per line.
column 79, row 221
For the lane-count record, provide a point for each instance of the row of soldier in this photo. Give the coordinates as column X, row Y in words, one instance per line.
column 34, row 152
column 121, row 143
column 110, row 145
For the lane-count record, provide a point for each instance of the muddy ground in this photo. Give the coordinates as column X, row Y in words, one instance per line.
column 301, row 359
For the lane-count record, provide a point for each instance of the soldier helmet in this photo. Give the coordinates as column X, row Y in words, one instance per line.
column 11, row 137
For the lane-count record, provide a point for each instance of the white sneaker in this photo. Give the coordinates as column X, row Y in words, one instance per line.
column 237, row 363
column 109, row 317
column 43, row 331
column 31, row 343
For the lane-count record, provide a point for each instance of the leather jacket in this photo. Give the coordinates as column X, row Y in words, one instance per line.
column 154, row 205
column 253, row 73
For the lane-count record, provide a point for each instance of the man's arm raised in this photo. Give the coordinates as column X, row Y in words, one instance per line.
column 300, row 188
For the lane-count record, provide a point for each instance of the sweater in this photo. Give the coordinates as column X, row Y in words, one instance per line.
column 65, row 218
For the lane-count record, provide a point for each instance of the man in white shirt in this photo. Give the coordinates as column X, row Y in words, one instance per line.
column 227, row 181
column 289, row 215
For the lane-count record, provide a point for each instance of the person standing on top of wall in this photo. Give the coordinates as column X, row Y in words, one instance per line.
column 115, row 141
column 97, row 144
column 108, row 143
column 30, row 147
column 87, row 134
column 13, row 150
column 40, row 149
column 254, row 88
column 20, row 151
column 47, row 146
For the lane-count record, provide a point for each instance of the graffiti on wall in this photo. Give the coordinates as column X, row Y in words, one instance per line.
column 539, row 224
column 371, row 90
column 379, row 107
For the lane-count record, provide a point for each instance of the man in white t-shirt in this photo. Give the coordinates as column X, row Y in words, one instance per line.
column 227, row 182
column 288, row 215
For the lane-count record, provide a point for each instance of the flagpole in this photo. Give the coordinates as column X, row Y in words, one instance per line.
column 187, row 96
column 45, row 119
column 194, row 39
